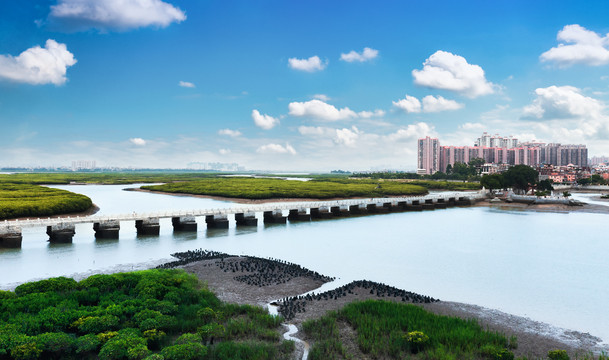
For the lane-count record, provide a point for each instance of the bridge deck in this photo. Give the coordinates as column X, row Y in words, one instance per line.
column 235, row 210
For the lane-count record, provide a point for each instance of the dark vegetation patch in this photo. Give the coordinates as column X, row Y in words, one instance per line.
column 259, row 271
column 24, row 200
column 265, row 188
column 154, row 314
column 290, row 306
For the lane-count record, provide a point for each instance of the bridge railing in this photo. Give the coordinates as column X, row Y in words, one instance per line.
column 234, row 210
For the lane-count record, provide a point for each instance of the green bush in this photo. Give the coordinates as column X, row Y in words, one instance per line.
column 58, row 284
column 188, row 338
column 87, row 344
column 558, row 355
column 188, row 351
column 57, row 343
column 416, row 340
column 26, row 351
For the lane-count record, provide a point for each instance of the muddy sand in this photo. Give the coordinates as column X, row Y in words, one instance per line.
column 230, row 283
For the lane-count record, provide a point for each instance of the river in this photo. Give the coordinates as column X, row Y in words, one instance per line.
column 551, row 267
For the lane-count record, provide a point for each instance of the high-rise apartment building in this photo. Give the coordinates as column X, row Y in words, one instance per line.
column 428, row 155
column 499, row 150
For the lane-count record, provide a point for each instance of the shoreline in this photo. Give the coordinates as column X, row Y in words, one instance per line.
column 91, row 211
column 230, row 284
column 556, row 208
column 535, row 338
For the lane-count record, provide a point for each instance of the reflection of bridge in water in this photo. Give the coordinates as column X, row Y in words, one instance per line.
column 62, row 229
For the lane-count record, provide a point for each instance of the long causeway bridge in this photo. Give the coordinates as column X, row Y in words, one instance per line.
column 62, row 229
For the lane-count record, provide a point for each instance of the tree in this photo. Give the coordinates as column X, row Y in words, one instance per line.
column 492, row 181
column 474, row 166
column 545, row 185
column 449, row 169
column 566, row 194
column 520, row 177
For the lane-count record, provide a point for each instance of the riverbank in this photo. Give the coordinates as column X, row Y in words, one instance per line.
column 225, row 279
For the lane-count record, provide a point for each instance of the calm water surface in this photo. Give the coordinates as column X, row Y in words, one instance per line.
column 551, row 267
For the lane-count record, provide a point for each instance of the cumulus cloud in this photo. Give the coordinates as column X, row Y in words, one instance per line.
column 321, row 97
column 314, row 130
column 346, row 136
column 320, row 110
column 370, row 114
column 138, row 141
column 366, row 55
column 447, row 71
column 276, row 149
column 411, row 104
column 224, row 151
column 311, row 64
column 437, row 104
column 38, row 65
column 562, row 102
column 186, row 84
column 264, row 121
column 115, row 14
column 472, row 126
column 578, row 45
column 229, row 132
column 412, row 132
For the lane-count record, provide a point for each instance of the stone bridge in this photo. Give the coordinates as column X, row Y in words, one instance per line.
column 62, row 229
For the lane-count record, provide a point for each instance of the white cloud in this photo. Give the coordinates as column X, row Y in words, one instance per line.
column 412, row 132
column 562, row 102
column 276, row 149
column 437, row 104
column 409, row 104
column 229, row 132
column 314, row 130
column 224, row 151
column 447, row 71
column 472, row 126
column 369, row 114
column 38, row 65
column 321, row 97
column 186, row 84
column 138, row 141
column 115, row 14
column 366, row 55
column 578, row 46
column 264, row 121
column 320, row 110
column 311, row 64
column 346, row 136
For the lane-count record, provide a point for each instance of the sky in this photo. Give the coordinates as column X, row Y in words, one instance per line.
column 294, row 85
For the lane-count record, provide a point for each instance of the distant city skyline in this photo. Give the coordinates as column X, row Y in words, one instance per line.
column 294, row 86
column 434, row 156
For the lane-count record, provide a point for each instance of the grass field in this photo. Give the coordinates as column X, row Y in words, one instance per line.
column 264, row 188
column 24, row 200
column 388, row 330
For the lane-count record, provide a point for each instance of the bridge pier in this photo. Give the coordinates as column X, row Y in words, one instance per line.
column 341, row 210
column 274, row 217
column 358, row 209
column 321, row 212
column 216, row 221
column 463, row 201
column 61, row 233
column 401, row 206
column 107, row 229
column 184, row 223
column 149, row 226
column 415, row 206
column 299, row 214
column 10, row 237
column 440, row 204
column 246, row 219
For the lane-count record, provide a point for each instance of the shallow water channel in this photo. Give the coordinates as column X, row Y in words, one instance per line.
column 551, row 267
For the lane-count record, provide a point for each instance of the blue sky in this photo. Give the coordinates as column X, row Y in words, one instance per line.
column 294, row 85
